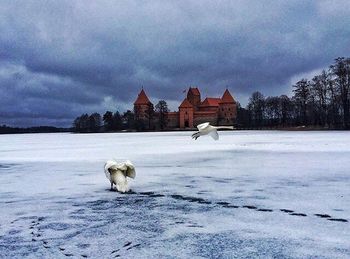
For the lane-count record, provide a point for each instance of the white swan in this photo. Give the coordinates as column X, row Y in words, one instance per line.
column 117, row 173
column 205, row 129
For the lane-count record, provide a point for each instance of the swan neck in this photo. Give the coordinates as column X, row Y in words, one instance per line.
column 224, row 127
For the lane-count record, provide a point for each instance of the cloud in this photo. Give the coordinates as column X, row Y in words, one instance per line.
column 61, row 59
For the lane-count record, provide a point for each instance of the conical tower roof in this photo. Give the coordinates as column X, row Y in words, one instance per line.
column 142, row 98
column 227, row 97
column 186, row 104
column 194, row 91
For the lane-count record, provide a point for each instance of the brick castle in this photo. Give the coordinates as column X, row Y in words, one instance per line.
column 192, row 111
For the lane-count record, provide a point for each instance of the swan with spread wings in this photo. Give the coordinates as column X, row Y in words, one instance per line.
column 117, row 174
column 207, row 129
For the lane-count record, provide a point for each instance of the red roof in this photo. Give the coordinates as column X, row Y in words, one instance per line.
column 210, row 102
column 142, row 98
column 227, row 97
column 185, row 104
column 194, row 91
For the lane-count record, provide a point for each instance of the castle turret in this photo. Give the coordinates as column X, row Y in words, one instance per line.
column 186, row 112
column 194, row 97
column 143, row 109
column 227, row 109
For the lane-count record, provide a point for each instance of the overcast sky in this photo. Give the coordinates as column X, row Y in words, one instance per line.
column 59, row 59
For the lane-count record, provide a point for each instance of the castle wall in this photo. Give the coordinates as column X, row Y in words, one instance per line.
column 141, row 115
column 208, row 108
column 194, row 99
column 173, row 120
column 201, row 117
column 186, row 117
column 227, row 113
column 141, row 111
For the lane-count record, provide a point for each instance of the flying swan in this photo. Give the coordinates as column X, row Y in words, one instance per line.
column 117, row 173
column 207, row 129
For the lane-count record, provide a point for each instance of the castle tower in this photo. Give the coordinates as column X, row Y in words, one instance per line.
column 194, row 97
column 227, row 109
column 143, row 110
column 186, row 112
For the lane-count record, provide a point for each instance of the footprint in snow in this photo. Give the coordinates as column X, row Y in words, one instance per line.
column 286, row 211
column 339, row 220
column 298, row 214
column 249, row 207
column 265, row 210
column 127, row 246
column 322, row 215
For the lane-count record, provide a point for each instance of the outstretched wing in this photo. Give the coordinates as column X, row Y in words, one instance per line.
column 130, row 171
column 202, row 126
column 214, row 134
column 109, row 167
column 126, row 167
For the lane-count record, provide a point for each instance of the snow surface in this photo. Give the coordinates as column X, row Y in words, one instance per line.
column 191, row 199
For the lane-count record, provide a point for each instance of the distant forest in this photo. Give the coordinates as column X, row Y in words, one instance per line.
column 322, row 102
column 126, row 121
column 40, row 129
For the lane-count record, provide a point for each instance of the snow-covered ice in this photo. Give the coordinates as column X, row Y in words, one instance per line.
column 266, row 194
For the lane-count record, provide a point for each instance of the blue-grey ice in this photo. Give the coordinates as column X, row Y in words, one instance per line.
column 266, row 194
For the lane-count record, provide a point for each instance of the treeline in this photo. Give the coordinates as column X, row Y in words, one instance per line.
column 110, row 122
column 41, row 129
column 323, row 101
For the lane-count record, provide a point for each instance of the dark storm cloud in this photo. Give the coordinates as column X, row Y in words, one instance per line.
column 63, row 58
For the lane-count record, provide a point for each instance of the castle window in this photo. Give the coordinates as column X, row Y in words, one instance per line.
column 229, row 109
column 222, row 109
column 185, row 112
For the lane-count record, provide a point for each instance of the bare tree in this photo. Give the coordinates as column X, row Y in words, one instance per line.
column 341, row 69
column 273, row 110
column 128, row 120
column 319, row 90
column 150, row 115
column 302, row 96
column 287, row 109
column 162, row 112
column 108, row 120
column 94, row 122
column 256, row 106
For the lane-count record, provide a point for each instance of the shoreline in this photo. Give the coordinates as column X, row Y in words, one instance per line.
column 64, row 130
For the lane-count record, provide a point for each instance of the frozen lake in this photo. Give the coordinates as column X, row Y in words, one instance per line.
column 267, row 194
